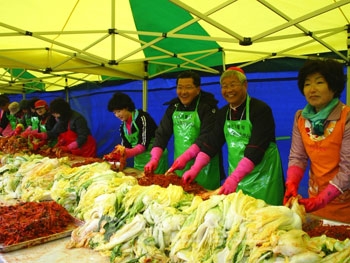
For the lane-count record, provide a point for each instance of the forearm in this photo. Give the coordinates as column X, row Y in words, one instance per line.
column 138, row 149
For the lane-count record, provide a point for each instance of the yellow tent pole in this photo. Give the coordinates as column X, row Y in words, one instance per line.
column 144, row 95
column 145, row 86
column 348, row 69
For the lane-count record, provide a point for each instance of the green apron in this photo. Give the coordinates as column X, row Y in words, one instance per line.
column 35, row 122
column 13, row 120
column 266, row 180
column 186, row 130
column 142, row 159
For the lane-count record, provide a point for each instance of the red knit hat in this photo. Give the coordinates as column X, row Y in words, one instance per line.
column 40, row 104
column 237, row 69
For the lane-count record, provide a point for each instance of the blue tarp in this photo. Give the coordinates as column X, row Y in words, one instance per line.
column 278, row 89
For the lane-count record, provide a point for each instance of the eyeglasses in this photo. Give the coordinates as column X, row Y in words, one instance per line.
column 231, row 85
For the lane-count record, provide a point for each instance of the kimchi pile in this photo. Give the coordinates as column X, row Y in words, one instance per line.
column 30, row 220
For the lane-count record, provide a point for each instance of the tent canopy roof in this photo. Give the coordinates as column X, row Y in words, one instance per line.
column 52, row 45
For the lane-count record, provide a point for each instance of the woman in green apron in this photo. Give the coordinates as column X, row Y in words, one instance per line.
column 188, row 117
column 137, row 131
column 247, row 126
column 44, row 121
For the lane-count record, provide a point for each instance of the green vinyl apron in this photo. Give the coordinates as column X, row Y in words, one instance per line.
column 13, row 120
column 35, row 122
column 186, row 130
column 266, row 180
column 142, row 159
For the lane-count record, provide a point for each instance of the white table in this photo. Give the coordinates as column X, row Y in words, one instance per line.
column 53, row 252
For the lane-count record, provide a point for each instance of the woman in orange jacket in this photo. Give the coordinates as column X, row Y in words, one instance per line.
column 321, row 136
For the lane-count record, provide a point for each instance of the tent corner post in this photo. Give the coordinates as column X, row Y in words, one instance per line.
column 144, row 94
column 66, row 92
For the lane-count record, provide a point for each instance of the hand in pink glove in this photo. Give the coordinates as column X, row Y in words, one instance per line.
column 184, row 158
column 202, row 160
column 294, row 176
column 131, row 152
column 321, row 200
column 72, row 145
column 244, row 167
column 152, row 165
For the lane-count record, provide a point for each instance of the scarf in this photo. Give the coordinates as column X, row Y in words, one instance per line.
column 317, row 119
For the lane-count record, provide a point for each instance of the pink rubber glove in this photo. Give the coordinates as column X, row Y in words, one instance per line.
column 72, row 145
column 294, row 176
column 202, row 160
column 39, row 135
column 321, row 200
column 184, row 158
column 244, row 167
column 131, row 152
column 152, row 165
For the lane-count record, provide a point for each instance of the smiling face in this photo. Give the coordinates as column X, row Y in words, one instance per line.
column 317, row 92
column 186, row 90
column 233, row 91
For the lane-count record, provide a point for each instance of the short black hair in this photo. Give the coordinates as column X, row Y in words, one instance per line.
column 190, row 74
column 120, row 101
column 24, row 104
column 330, row 69
column 61, row 107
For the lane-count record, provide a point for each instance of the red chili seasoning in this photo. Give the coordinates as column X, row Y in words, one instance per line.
column 340, row 232
column 30, row 220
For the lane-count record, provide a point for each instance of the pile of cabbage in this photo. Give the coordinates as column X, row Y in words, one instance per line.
column 131, row 223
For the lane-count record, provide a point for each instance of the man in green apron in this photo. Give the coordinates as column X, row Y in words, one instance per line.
column 247, row 127
column 137, row 131
column 188, row 117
